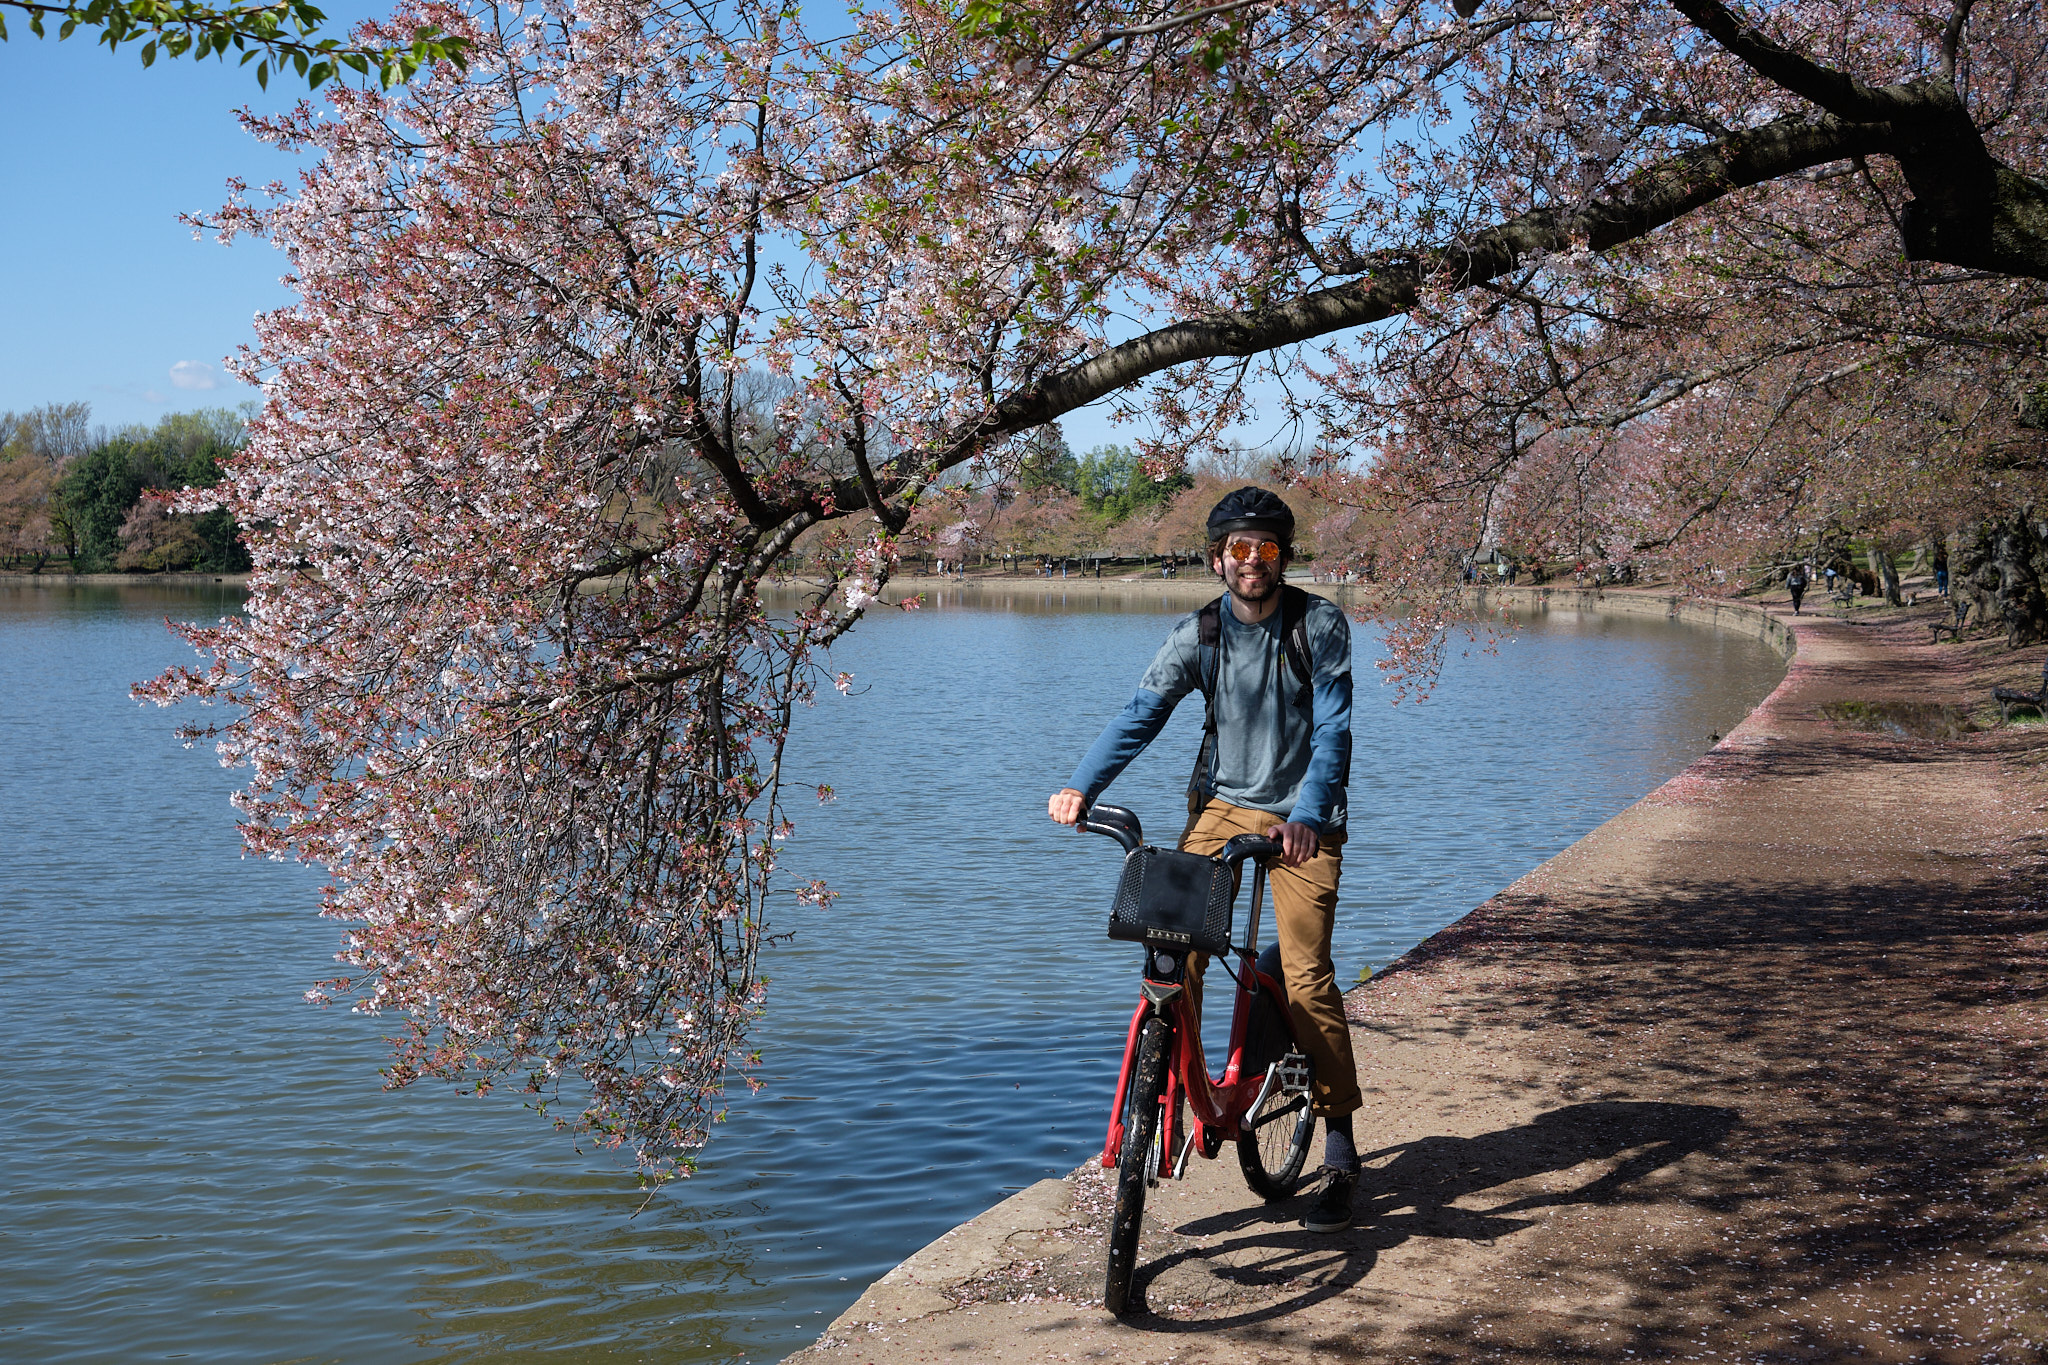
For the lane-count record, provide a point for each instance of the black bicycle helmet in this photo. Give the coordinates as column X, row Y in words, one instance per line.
column 1252, row 509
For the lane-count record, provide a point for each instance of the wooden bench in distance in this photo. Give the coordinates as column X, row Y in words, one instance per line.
column 1955, row 626
column 2010, row 700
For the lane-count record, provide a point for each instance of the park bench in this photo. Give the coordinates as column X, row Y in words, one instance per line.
column 2010, row 699
column 1845, row 591
column 1954, row 625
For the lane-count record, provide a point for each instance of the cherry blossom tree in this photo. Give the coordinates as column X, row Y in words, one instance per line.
column 592, row 332
column 35, row 446
column 26, row 528
column 154, row 538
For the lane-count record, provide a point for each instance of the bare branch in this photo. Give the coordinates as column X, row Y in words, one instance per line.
column 1837, row 92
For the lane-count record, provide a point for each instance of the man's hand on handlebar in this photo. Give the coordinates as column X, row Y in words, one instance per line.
column 1298, row 843
column 1064, row 806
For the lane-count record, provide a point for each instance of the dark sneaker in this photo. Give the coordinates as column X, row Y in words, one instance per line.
column 1332, row 1210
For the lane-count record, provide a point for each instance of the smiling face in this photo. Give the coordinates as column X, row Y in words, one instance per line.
column 1255, row 577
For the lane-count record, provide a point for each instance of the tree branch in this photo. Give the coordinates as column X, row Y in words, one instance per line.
column 1653, row 197
column 1952, row 36
column 2007, row 233
column 1968, row 209
column 1840, row 94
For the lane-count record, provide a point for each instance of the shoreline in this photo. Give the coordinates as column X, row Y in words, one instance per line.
column 1740, row 616
column 1182, row 593
column 1753, row 1069
column 125, row 580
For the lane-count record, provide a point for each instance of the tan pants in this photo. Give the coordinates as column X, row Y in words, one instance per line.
column 1304, row 913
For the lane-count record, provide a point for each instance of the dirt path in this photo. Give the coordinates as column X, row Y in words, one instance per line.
column 1751, row 1073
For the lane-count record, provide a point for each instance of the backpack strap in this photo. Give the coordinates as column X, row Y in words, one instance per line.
column 1209, row 641
column 1294, row 641
column 1208, row 656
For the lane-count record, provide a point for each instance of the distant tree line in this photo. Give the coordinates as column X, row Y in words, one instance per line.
column 1109, row 482
column 95, row 499
column 1105, row 503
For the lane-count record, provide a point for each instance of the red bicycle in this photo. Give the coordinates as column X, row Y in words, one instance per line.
column 1177, row 904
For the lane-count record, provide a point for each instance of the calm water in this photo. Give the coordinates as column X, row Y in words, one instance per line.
column 197, row 1164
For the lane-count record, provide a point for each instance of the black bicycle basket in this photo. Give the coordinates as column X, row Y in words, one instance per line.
column 1169, row 897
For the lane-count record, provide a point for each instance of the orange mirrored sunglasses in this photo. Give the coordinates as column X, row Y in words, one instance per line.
column 1242, row 550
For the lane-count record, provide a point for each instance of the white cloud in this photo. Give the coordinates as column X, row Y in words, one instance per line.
column 194, row 374
column 153, row 396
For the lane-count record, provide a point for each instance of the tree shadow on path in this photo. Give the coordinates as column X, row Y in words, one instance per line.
column 1412, row 1191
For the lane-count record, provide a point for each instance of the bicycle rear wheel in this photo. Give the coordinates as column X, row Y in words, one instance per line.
column 1273, row 1143
column 1138, row 1166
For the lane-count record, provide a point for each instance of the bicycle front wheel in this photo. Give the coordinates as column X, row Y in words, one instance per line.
column 1272, row 1143
column 1138, row 1166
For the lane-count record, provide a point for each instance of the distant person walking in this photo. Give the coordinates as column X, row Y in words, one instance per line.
column 1796, row 581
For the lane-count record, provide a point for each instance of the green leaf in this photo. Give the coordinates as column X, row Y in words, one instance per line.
column 987, row 18
column 149, row 53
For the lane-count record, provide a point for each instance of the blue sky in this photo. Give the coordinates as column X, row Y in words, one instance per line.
column 104, row 294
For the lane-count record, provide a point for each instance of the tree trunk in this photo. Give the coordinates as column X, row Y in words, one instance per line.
column 2002, row 567
column 1887, row 576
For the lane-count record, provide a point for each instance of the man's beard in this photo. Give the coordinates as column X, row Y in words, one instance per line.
column 1258, row 594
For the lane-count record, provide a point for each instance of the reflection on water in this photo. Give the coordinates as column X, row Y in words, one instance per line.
column 198, row 1163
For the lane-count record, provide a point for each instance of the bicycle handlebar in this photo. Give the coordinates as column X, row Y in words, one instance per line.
column 1118, row 823
column 1244, row 846
column 1122, row 826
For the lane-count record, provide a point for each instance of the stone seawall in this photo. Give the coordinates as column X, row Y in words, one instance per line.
column 1711, row 613
column 1185, row 594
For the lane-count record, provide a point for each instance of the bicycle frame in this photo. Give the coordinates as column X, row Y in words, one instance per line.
column 1217, row 1104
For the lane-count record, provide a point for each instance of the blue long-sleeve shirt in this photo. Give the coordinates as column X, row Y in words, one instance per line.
column 1269, row 755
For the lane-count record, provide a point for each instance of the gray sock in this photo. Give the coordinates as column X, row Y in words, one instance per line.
column 1339, row 1153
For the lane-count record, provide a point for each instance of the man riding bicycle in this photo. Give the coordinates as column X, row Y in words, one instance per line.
column 1275, row 760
